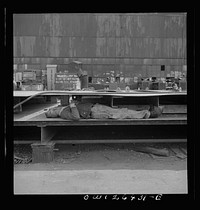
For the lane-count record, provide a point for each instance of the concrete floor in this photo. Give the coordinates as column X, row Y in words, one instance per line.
column 100, row 182
column 102, row 169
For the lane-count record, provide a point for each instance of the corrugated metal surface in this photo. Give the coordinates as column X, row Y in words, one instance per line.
column 137, row 42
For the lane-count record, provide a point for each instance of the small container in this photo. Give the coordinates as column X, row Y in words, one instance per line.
column 161, row 86
column 42, row 153
column 154, row 86
column 134, row 86
column 145, row 85
column 27, row 87
column 84, row 81
column 36, row 87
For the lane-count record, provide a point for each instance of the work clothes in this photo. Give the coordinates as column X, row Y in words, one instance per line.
column 97, row 111
column 70, row 113
column 53, row 112
column 64, row 112
column 100, row 111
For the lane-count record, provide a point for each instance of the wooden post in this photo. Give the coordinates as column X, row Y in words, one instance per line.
column 51, row 70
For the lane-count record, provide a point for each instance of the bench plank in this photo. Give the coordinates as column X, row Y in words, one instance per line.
column 175, row 109
column 42, row 120
column 94, row 141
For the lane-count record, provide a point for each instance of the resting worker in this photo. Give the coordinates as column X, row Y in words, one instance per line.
column 84, row 110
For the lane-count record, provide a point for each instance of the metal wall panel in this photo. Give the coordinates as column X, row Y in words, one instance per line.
column 106, row 25
column 174, row 26
column 101, row 47
column 174, row 48
column 27, row 24
column 130, row 42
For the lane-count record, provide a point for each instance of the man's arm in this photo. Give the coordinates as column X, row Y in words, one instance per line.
column 74, row 112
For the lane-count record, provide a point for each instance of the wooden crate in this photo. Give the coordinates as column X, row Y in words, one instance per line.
column 32, row 87
column 162, row 86
column 37, row 87
column 26, row 87
column 42, row 153
column 29, row 75
column 145, row 85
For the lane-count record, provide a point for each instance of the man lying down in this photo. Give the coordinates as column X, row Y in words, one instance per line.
column 85, row 110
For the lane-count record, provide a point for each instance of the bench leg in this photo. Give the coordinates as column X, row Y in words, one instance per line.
column 47, row 133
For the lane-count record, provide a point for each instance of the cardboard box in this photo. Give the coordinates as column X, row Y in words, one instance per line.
column 26, row 87
column 32, row 87
column 37, row 87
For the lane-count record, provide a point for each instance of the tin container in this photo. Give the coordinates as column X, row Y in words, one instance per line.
column 162, row 86
column 42, row 153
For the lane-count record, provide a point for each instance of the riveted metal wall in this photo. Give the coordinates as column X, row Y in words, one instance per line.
column 129, row 43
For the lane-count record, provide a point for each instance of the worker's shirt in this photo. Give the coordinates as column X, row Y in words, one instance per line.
column 81, row 110
column 100, row 111
column 69, row 113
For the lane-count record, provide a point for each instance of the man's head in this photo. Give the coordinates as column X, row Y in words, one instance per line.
column 75, row 99
column 156, row 111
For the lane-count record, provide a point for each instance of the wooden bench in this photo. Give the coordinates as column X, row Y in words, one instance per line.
column 32, row 116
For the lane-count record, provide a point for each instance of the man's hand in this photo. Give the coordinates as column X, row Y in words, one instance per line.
column 72, row 105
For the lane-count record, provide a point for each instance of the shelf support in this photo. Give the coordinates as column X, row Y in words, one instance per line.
column 47, row 133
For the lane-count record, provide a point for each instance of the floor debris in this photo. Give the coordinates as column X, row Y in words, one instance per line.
column 178, row 153
column 183, row 150
column 152, row 150
column 18, row 160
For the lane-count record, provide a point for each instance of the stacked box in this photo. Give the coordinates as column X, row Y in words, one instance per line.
column 113, row 86
column 32, row 87
column 29, row 75
column 134, row 86
column 145, row 85
column 162, row 86
column 154, row 86
column 122, row 86
column 26, row 87
column 65, row 81
column 183, row 85
column 38, row 87
column 18, row 76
